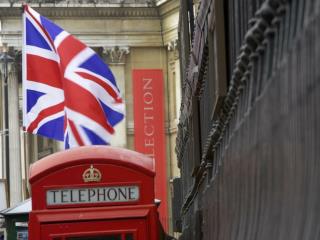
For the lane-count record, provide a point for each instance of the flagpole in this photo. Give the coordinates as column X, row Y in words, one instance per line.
column 24, row 61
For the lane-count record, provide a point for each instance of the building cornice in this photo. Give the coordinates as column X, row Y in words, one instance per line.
column 80, row 3
column 169, row 7
column 86, row 12
column 160, row 2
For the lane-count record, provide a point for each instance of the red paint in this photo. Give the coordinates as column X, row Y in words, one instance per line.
column 64, row 171
column 149, row 128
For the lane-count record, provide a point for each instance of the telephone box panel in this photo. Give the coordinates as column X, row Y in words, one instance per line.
column 117, row 229
column 94, row 192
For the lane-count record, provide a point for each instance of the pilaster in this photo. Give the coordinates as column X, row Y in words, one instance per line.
column 174, row 101
column 116, row 59
column 14, row 137
column 174, row 81
column 2, row 130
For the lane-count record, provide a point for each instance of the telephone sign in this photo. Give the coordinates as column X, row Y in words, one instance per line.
column 93, row 195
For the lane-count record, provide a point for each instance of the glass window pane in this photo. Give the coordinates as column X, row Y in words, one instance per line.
column 105, row 237
column 129, row 236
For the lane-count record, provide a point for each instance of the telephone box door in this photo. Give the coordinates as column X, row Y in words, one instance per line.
column 129, row 229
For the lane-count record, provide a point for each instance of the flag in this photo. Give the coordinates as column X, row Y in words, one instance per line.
column 69, row 93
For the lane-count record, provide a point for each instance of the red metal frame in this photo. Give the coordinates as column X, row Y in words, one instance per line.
column 119, row 216
column 119, row 167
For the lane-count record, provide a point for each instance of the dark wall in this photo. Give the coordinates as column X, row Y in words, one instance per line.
column 259, row 173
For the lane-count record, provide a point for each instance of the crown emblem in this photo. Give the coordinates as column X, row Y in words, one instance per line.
column 91, row 175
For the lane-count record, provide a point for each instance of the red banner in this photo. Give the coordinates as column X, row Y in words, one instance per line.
column 149, row 128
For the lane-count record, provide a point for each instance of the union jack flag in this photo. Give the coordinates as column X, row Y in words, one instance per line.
column 70, row 94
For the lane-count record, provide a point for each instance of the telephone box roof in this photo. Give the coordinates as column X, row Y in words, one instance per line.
column 21, row 208
column 100, row 154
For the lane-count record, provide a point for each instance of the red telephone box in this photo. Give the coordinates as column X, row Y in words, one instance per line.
column 93, row 193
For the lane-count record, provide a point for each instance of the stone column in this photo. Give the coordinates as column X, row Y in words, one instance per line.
column 174, row 97
column 14, row 137
column 30, row 155
column 116, row 58
column 2, row 130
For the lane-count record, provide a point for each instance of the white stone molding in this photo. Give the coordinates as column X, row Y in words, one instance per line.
column 160, row 2
column 57, row 11
column 173, row 45
column 116, row 55
column 82, row 3
column 173, row 51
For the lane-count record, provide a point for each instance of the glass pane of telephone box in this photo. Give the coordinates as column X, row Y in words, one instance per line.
column 128, row 236
column 106, row 237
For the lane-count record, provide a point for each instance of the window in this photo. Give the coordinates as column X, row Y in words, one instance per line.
column 127, row 236
column 108, row 237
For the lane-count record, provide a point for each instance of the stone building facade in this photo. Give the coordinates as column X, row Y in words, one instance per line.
column 127, row 34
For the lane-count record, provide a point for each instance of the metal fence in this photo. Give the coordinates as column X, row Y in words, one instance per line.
column 255, row 174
